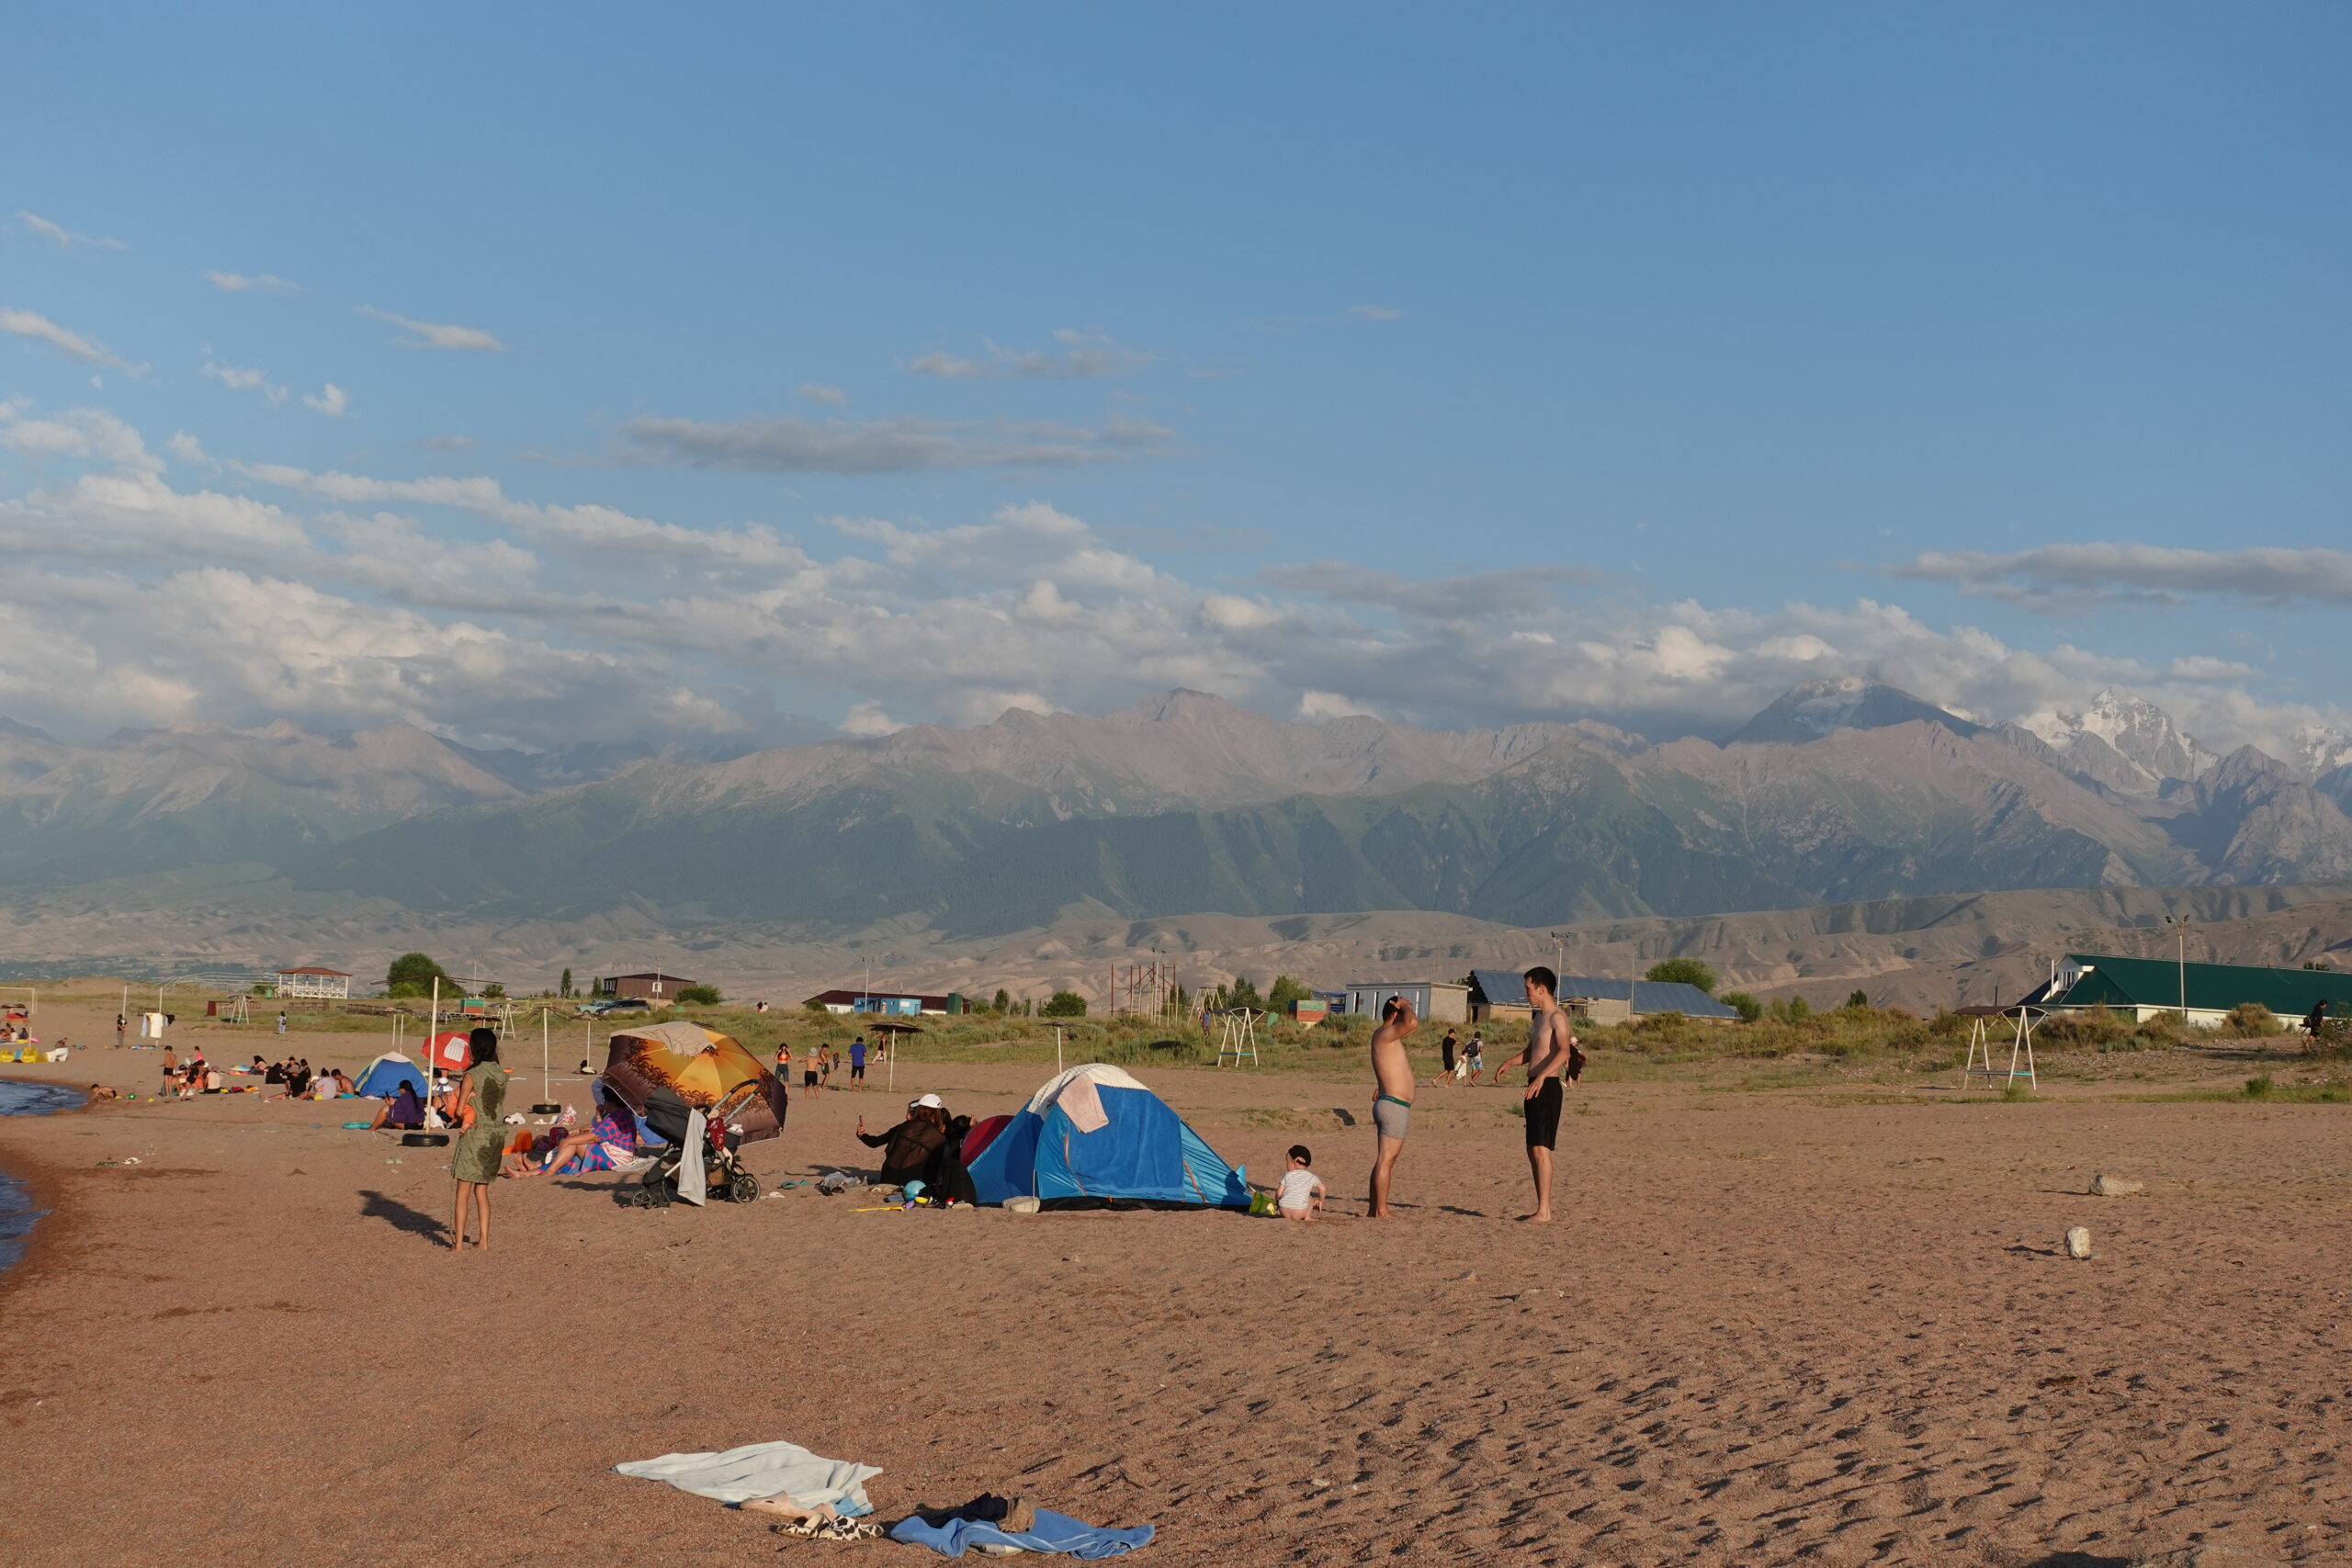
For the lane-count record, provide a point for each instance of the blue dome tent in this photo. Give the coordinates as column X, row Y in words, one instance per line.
column 1095, row 1138
column 384, row 1075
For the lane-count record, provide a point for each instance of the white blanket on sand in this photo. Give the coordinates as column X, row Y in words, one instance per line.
column 763, row 1470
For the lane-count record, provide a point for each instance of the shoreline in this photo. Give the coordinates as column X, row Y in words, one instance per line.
column 43, row 1186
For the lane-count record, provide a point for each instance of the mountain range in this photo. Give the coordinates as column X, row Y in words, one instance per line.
column 1839, row 791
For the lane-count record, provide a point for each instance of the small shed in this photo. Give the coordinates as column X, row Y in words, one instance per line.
column 1434, row 1001
column 650, row 985
column 311, row 982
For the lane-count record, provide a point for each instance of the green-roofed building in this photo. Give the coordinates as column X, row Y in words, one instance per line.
column 2146, row 987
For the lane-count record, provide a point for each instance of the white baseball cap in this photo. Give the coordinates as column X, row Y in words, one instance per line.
column 931, row 1100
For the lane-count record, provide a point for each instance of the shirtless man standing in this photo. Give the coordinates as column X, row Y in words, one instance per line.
column 1392, row 1103
column 1551, row 1043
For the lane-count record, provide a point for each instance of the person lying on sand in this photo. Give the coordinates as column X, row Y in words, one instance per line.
column 608, row 1144
column 100, row 1092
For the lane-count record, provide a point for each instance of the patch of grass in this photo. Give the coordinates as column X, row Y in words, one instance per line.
column 2018, row 1092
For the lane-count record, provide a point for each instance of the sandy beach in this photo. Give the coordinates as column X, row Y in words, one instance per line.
column 1773, row 1326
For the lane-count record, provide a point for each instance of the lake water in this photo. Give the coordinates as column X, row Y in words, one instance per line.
column 17, row 1211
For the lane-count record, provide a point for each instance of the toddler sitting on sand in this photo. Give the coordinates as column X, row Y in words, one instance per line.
column 1300, row 1196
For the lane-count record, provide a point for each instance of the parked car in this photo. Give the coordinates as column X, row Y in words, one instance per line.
column 622, row 1004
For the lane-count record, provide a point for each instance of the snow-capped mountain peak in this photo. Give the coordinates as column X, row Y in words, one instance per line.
column 2132, row 727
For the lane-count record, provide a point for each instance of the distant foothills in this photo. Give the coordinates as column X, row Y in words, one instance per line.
column 1839, row 791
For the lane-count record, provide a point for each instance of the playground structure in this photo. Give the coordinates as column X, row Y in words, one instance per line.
column 1984, row 1040
column 1148, row 989
column 1236, row 1034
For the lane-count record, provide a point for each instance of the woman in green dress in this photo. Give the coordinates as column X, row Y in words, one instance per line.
column 475, row 1105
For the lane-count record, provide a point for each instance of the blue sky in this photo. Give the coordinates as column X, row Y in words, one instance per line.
column 1456, row 364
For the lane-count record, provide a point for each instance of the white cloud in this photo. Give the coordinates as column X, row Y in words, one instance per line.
column 2067, row 576
column 64, row 238
column 254, row 283
column 868, row 719
column 246, row 380
column 1085, row 354
column 77, row 433
column 1028, row 606
column 1320, row 706
column 437, row 334
column 452, row 443
column 819, row 392
column 72, row 344
column 330, row 402
column 792, row 445
column 1375, row 313
column 186, row 447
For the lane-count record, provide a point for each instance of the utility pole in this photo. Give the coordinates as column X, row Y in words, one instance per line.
column 2179, row 925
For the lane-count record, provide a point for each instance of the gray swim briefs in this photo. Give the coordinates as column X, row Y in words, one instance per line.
column 1392, row 1116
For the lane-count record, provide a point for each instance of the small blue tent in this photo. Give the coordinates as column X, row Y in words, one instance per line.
column 1095, row 1138
column 384, row 1075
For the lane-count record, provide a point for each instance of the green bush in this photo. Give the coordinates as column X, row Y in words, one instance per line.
column 1858, row 999
column 1740, row 1003
column 2251, row 1019
column 699, row 996
column 2096, row 1027
column 1685, row 971
column 1064, row 1004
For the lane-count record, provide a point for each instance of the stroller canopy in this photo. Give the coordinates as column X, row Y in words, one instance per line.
column 1095, row 1137
column 386, row 1074
column 700, row 1067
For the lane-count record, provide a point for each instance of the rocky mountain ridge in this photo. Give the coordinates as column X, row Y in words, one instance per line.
column 1839, row 791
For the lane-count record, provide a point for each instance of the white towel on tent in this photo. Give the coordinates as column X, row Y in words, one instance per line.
column 690, row 1177
column 763, row 1470
column 1082, row 1104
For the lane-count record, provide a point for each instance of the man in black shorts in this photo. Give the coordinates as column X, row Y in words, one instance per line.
column 1550, row 1057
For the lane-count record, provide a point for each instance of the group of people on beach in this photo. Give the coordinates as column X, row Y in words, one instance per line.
column 1553, row 1060
column 186, row 1077
column 1463, row 1063
column 818, row 1064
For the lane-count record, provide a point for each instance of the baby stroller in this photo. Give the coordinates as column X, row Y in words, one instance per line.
column 666, row 1073
column 723, row 1173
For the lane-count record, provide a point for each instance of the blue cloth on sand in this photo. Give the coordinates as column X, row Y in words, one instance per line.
column 1052, row 1532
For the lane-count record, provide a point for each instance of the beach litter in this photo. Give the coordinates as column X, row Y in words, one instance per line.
column 1021, row 1205
column 2105, row 1186
column 2078, row 1242
column 834, row 1181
